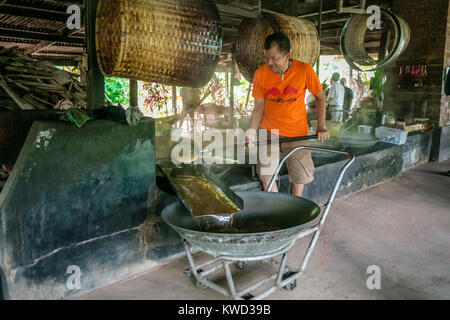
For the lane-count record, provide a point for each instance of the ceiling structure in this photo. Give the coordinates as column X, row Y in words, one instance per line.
column 39, row 26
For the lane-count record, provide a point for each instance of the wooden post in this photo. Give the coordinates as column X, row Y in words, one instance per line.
column 174, row 100
column 227, row 79
column 291, row 7
column 134, row 93
column 248, row 95
column 95, row 79
column 384, row 45
column 320, row 35
column 233, row 76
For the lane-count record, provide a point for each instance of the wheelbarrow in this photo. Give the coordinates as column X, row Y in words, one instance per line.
column 267, row 227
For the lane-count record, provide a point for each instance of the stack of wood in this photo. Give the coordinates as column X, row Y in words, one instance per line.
column 33, row 84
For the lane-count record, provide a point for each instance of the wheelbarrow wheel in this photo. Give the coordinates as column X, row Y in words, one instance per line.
column 200, row 285
column 187, row 272
column 291, row 286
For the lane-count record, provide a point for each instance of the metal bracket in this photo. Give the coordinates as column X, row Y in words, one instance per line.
column 341, row 9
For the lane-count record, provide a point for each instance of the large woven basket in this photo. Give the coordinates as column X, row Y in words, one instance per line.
column 353, row 40
column 173, row 42
column 252, row 33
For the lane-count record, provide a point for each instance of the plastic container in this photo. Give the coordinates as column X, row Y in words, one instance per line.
column 333, row 127
column 365, row 129
column 391, row 135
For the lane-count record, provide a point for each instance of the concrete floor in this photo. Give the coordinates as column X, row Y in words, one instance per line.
column 402, row 226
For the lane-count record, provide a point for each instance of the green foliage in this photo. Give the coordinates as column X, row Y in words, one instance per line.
column 325, row 85
column 71, row 69
column 378, row 84
column 156, row 97
column 217, row 86
column 117, row 91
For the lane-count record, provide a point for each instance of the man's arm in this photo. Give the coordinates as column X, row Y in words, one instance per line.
column 321, row 107
column 255, row 120
column 257, row 114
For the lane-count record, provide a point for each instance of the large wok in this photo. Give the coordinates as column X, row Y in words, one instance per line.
column 358, row 140
column 253, row 231
column 269, row 222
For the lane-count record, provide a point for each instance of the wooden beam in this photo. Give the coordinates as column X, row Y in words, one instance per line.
column 291, row 7
column 39, row 36
column 64, row 32
column 133, row 93
column 24, row 28
column 40, row 46
column 232, row 77
column 95, row 79
column 58, row 62
column 313, row 14
column 330, row 46
column 237, row 11
column 334, row 21
column 319, row 27
column 58, row 54
column 331, row 33
column 35, row 14
column 21, row 4
column 174, row 100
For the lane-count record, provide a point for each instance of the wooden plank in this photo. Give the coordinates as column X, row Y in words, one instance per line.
column 36, row 14
column 133, row 93
column 236, row 11
column 39, row 36
column 95, row 79
column 174, row 100
column 22, row 4
column 233, row 76
column 291, row 7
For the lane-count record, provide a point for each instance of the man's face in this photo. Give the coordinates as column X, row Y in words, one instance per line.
column 277, row 61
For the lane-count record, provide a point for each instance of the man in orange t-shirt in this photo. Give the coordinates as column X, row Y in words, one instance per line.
column 279, row 89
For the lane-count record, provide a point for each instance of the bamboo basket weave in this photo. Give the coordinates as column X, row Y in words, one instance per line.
column 353, row 40
column 252, row 33
column 172, row 42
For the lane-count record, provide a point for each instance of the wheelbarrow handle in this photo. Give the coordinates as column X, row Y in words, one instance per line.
column 286, row 139
column 338, row 180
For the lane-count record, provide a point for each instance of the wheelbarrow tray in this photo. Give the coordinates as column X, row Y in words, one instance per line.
column 253, row 235
column 268, row 223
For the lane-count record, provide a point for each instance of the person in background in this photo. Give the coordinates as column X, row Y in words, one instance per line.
column 348, row 99
column 335, row 98
column 214, row 115
column 191, row 100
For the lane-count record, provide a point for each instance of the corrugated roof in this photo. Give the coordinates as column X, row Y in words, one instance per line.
column 40, row 28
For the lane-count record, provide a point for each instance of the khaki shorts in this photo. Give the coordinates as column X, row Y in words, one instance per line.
column 300, row 165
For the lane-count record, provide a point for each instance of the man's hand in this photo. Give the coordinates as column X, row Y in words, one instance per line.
column 322, row 135
column 249, row 141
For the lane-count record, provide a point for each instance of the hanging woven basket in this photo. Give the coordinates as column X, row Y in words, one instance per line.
column 252, row 33
column 353, row 39
column 171, row 42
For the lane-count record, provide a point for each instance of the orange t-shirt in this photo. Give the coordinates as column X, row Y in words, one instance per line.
column 285, row 107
